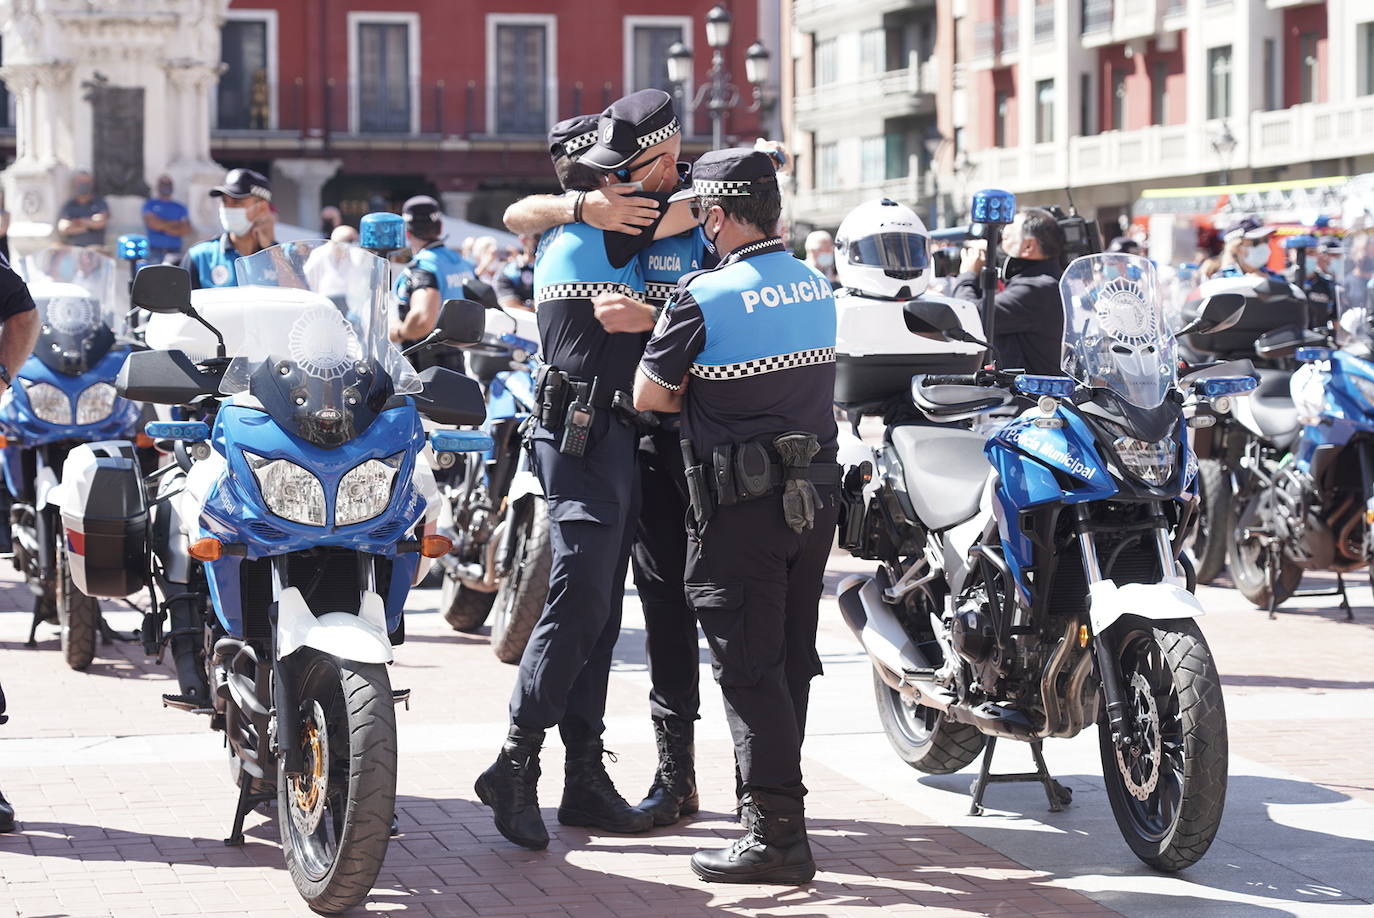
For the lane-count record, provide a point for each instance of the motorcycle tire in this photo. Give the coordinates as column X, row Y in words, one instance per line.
column 78, row 616
column 1249, row 561
column 922, row 737
column 521, row 596
column 1207, row 545
column 335, row 834
column 464, row 608
column 1167, row 791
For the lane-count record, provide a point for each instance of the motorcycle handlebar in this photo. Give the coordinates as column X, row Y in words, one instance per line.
column 958, row 380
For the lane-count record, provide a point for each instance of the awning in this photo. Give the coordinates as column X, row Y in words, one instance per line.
column 1299, row 200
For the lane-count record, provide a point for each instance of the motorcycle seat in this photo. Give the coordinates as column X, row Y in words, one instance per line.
column 1271, row 407
column 945, row 472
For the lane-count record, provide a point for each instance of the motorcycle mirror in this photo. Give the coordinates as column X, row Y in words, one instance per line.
column 1219, row 312
column 164, row 289
column 480, row 292
column 930, row 319
column 461, row 322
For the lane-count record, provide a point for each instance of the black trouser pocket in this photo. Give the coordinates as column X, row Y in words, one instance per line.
column 719, row 606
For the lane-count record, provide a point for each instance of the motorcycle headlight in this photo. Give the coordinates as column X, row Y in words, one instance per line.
column 366, row 490
column 289, row 491
column 95, row 404
column 49, row 403
column 1152, row 463
column 1366, row 387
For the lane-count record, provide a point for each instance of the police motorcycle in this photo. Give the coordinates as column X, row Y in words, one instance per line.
column 289, row 531
column 1276, row 314
column 495, row 512
column 1304, row 497
column 64, row 395
column 1032, row 579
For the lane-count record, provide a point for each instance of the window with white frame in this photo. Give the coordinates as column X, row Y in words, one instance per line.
column 1364, row 50
column 647, row 40
column 246, row 89
column 385, row 67
column 1044, row 111
column 872, row 52
column 1219, row 82
column 520, row 68
column 872, row 160
column 827, row 61
column 828, row 165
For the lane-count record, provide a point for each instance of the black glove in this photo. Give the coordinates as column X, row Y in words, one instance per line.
column 799, row 495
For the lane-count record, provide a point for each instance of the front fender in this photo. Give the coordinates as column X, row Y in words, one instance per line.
column 361, row 638
column 1107, row 602
column 522, row 485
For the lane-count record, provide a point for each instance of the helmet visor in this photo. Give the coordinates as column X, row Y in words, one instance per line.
column 901, row 255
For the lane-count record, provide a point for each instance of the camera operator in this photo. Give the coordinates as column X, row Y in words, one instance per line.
column 1029, row 322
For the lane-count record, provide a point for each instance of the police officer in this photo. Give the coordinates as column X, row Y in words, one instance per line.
column 584, row 452
column 435, row 273
column 756, row 338
column 514, row 283
column 245, row 214
column 1319, row 280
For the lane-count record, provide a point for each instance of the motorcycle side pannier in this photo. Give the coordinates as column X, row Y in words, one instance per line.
column 105, row 519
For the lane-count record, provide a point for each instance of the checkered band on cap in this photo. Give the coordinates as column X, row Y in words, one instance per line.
column 581, row 291
column 765, row 364
column 574, row 145
column 714, row 189
column 658, row 136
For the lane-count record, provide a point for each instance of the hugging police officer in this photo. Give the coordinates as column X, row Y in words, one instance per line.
column 747, row 352
column 584, row 453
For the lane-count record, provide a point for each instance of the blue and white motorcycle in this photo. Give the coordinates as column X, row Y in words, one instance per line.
column 1030, row 583
column 64, row 395
column 287, row 538
column 495, row 511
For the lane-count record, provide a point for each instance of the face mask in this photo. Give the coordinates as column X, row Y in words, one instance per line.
column 1008, row 266
column 711, row 240
column 234, row 220
column 825, row 259
column 1258, row 256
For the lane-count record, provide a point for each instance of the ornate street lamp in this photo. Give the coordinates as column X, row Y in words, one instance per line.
column 718, row 94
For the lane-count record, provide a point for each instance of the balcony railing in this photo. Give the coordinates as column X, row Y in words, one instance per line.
column 1097, row 15
column 1044, row 22
column 1175, row 7
column 995, row 37
column 898, row 93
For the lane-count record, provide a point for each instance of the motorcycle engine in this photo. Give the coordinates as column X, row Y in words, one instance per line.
column 1299, row 523
column 973, row 635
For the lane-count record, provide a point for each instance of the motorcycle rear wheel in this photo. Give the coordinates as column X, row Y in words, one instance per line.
column 1207, row 544
column 1250, row 559
column 923, row 737
column 336, row 818
column 78, row 615
column 521, row 596
column 1167, row 791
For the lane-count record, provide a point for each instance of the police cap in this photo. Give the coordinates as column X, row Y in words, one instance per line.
column 421, row 213
column 630, row 126
column 572, row 136
column 1250, row 228
column 725, row 173
column 243, row 183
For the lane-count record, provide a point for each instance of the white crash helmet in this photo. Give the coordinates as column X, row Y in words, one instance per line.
column 882, row 249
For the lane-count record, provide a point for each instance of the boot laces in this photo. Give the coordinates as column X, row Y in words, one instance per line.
column 750, row 840
column 599, row 781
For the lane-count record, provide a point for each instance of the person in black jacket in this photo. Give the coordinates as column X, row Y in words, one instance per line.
column 1029, row 321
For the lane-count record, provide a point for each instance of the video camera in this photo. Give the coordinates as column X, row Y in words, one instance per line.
column 1081, row 237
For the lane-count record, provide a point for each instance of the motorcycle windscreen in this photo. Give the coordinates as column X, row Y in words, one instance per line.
column 1116, row 335
column 316, row 351
column 80, row 317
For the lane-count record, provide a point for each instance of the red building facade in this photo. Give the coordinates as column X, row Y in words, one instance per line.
column 361, row 103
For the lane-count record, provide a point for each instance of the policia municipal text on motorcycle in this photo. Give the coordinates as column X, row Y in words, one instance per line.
column 584, row 452
column 747, row 351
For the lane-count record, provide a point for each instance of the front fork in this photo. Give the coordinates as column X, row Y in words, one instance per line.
column 1108, row 670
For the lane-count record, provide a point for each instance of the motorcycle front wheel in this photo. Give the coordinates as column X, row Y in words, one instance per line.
column 464, row 608
column 1167, row 786
column 520, row 598
column 78, row 615
column 1251, row 559
column 923, row 737
column 336, row 816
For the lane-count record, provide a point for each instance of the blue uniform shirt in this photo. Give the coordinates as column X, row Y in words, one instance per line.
column 211, row 263
column 575, row 263
column 165, row 210
column 516, row 280
column 434, row 267
column 667, row 261
column 757, row 335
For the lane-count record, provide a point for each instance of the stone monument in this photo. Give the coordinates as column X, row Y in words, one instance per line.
column 120, row 88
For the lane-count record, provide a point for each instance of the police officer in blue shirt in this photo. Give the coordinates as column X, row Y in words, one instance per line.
column 245, row 213
column 435, row 273
column 514, row 285
column 584, row 452
column 747, row 352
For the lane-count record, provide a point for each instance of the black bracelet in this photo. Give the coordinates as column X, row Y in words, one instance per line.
column 577, row 206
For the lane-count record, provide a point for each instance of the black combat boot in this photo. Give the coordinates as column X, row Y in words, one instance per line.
column 511, row 788
column 674, row 791
column 589, row 797
column 6, row 815
column 773, row 850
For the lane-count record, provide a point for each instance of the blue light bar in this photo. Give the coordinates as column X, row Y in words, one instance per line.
column 1056, row 386
column 459, row 441
column 131, row 247
column 1300, row 242
column 1218, row 386
column 192, row 431
column 1313, row 354
column 383, row 232
column 992, row 205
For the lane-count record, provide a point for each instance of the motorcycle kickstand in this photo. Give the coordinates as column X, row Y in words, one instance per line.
column 247, row 801
column 33, row 629
column 1057, row 794
column 1272, row 575
column 1345, row 600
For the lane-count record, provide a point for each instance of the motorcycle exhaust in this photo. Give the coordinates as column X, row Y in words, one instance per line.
column 482, row 577
column 895, row 657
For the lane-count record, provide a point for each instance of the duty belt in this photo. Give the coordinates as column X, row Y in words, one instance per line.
column 555, row 392
column 739, row 472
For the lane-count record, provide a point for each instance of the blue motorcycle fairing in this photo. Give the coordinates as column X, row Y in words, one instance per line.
column 1345, row 410
column 25, row 429
column 235, row 511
